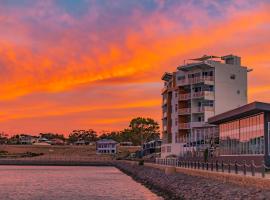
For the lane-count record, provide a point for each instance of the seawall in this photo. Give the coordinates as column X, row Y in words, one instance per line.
column 189, row 186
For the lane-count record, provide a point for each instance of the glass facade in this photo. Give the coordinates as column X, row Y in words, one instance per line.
column 243, row 136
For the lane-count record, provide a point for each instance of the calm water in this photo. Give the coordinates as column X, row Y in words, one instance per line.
column 69, row 183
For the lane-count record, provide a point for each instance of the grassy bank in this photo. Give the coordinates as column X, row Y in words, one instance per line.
column 61, row 152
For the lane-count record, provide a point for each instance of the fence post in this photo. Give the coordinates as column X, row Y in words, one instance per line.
column 212, row 165
column 207, row 166
column 199, row 166
column 235, row 167
column 252, row 165
column 263, row 169
column 229, row 167
column 216, row 165
column 245, row 168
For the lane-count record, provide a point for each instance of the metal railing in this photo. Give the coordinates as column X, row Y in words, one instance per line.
column 218, row 166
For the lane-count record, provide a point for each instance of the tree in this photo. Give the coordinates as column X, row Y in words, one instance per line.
column 140, row 130
column 3, row 138
column 85, row 135
column 15, row 139
column 143, row 130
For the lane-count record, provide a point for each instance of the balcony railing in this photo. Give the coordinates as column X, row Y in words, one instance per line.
column 164, row 101
column 199, row 79
column 164, row 128
column 202, row 109
column 184, row 111
column 184, row 125
column 184, row 97
column 196, row 124
column 203, row 94
column 190, row 125
column 164, row 114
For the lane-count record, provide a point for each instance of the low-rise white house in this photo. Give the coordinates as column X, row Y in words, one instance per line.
column 106, row 146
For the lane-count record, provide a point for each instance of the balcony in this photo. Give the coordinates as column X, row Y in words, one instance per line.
column 184, row 125
column 197, row 124
column 183, row 82
column 203, row 94
column 184, row 111
column 164, row 89
column 195, row 80
column 164, row 114
column 164, row 101
column 184, row 97
column 164, row 128
column 204, row 79
column 202, row 109
column 190, row 125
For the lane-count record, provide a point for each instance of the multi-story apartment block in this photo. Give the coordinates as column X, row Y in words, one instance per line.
column 192, row 94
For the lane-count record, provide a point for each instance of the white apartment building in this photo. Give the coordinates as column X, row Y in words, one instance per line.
column 196, row 91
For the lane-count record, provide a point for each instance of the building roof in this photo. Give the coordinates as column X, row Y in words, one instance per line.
column 107, row 141
column 166, row 76
column 204, row 57
column 191, row 66
column 243, row 111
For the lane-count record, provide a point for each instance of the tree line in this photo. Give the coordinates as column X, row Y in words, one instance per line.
column 140, row 130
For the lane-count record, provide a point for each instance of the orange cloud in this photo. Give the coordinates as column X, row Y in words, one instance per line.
column 63, row 54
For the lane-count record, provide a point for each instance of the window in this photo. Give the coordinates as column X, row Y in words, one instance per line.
column 232, row 76
column 243, row 136
column 179, row 78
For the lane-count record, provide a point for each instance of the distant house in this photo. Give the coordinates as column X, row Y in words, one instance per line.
column 153, row 146
column 57, row 141
column 25, row 139
column 106, row 146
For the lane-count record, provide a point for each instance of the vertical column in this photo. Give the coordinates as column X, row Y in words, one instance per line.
column 267, row 138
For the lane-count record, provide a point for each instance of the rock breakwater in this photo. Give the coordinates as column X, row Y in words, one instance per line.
column 182, row 186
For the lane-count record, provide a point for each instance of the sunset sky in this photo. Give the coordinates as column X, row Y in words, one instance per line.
column 69, row 64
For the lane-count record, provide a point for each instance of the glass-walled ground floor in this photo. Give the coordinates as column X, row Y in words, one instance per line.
column 243, row 136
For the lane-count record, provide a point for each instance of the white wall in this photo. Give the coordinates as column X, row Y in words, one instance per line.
column 226, row 96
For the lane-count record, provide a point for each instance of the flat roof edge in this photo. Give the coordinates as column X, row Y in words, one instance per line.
column 240, row 112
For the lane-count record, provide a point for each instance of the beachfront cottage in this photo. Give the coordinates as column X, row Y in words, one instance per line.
column 106, row 146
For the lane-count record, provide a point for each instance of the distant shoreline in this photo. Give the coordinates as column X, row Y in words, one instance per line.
column 54, row 162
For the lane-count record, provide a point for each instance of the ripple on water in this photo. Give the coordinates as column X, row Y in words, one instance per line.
column 69, row 183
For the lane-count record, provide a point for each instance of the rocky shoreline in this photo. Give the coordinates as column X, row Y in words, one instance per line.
column 182, row 186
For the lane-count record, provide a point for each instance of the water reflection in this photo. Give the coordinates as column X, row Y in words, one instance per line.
column 66, row 183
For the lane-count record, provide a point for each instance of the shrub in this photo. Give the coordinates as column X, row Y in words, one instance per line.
column 141, row 162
